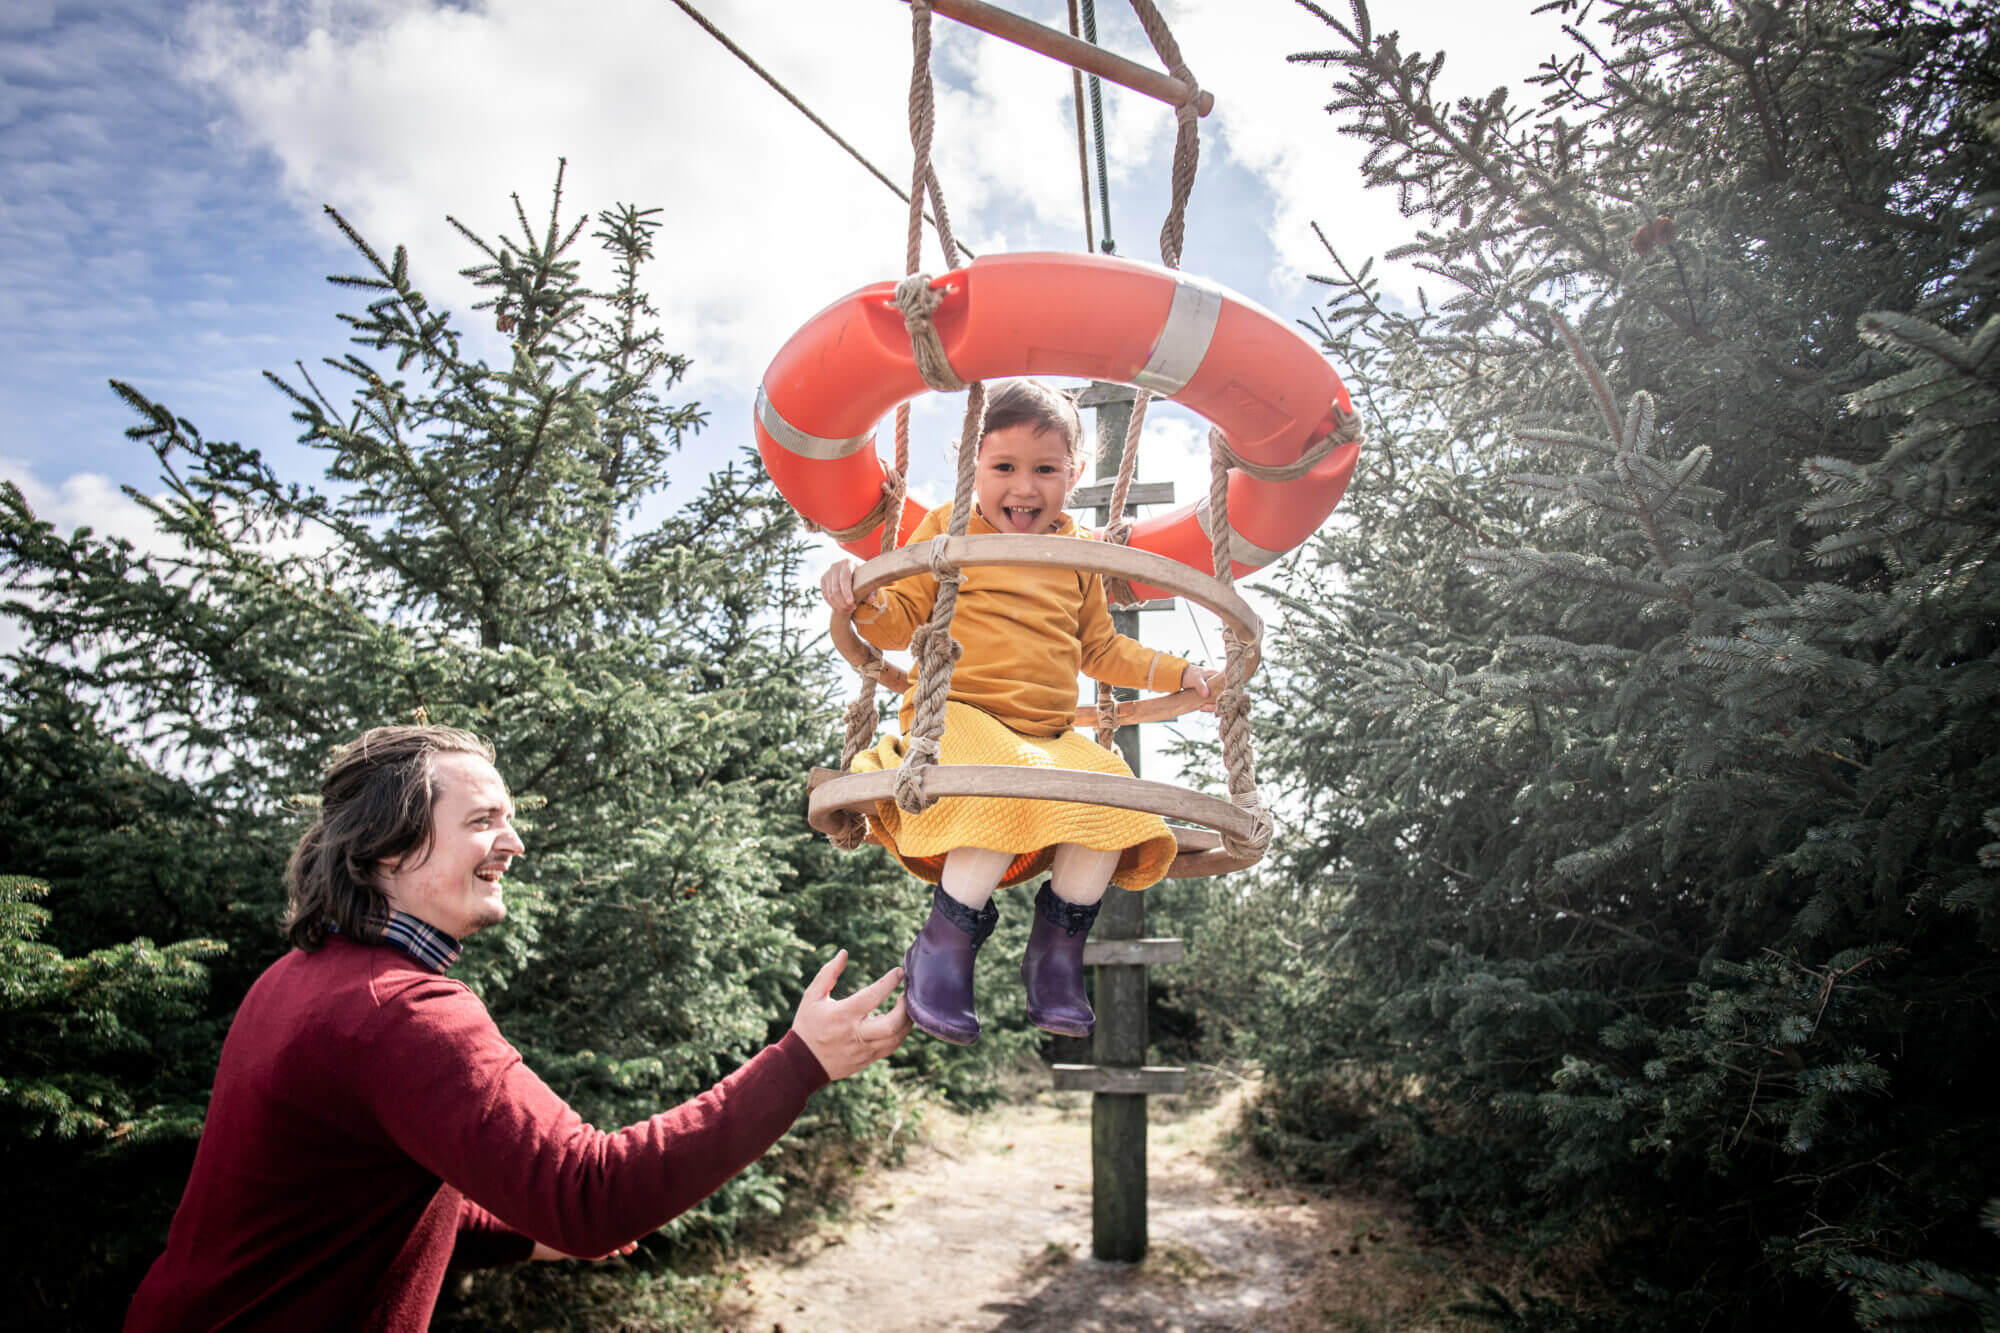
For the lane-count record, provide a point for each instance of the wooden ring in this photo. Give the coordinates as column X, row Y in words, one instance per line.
column 1200, row 852
column 1049, row 552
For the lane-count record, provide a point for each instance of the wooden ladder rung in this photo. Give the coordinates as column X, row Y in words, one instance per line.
column 1144, row 1081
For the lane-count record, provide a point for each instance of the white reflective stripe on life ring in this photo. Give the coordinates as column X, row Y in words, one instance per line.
column 1183, row 342
column 1241, row 549
column 800, row 442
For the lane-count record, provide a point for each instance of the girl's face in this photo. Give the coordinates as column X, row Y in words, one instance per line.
column 1022, row 478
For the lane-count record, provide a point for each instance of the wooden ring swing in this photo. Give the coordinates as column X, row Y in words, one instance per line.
column 1200, row 852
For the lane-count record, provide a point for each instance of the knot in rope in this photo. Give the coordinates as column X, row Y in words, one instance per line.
column 941, row 567
column 1254, row 844
column 1186, row 111
column 918, row 302
column 1347, row 430
column 924, row 646
column 911, row 797
column 892, row 495
column 849, row 830
column 1107, row 715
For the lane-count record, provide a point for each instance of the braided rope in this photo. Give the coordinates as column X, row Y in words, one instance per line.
column 936, row 652
column 1187, row 158
column 1232, row 704
column 1187, row 135
column 918, row 301
column 1346, row 430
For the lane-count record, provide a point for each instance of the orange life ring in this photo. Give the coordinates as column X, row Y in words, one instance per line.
column 1270, row 391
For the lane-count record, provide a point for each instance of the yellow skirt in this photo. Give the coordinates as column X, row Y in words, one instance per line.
column 1032, row 829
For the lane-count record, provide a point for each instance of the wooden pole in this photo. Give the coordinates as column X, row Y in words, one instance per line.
column 1118, row 1120
column 1070, row 51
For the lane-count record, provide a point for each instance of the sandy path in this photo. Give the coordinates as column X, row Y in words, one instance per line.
column 987, row 1226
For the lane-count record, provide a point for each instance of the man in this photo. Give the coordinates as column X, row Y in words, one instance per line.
column 370, row 1128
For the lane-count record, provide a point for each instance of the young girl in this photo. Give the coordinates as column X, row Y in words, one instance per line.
column 1026, row 633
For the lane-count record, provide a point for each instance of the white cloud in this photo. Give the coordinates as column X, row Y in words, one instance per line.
column 83, row 499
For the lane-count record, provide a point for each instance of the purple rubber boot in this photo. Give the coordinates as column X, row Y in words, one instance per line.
column 937, row 969
column 1053, row 968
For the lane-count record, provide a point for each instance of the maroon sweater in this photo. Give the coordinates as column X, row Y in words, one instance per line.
column 370, row 1128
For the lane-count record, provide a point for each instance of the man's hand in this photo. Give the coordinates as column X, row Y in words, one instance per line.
column 848, row 1035
column 544, row 1252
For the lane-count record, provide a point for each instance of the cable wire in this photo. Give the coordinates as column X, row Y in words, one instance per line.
column 1082, row 151
column 1097, row 128
column 807, row 111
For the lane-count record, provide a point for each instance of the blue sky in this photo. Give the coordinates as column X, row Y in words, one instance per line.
column 166, row 164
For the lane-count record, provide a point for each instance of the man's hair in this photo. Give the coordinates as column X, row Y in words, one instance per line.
column 375, row 805
column 1030, row 402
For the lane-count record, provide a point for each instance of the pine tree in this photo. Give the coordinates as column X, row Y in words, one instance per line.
column 1641, row 894
column 481, row 556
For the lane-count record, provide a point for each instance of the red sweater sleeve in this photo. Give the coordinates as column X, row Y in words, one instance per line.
column 484, row 1241
column 460, row 1101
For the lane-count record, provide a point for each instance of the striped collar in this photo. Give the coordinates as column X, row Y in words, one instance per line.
column 421, row 940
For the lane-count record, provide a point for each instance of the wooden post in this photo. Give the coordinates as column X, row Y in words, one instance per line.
column 1118, row 1119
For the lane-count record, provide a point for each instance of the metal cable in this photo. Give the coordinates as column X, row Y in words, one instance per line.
column 807, row 111
column 1097, row 130
column 1082, row 150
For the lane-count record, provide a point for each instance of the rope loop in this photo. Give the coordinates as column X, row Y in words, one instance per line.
column 1253, row 846
column 1347, row 430
column 938, row 552
column 918, row 302
column 891, row 498
column 1107, row 715
column 1185, row 111
column 911, row 797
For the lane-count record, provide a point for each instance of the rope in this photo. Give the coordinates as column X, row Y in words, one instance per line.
column 1232, row 705
column 1187, row 137
column 933, row 643
column 1187, row 159
column 918, row 301
column 1346, row 430
column 789, row 96
column 936, row 652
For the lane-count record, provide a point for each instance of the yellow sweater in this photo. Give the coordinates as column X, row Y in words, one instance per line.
column 1027, row 633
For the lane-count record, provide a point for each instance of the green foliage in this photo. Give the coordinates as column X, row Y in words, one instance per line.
column 1921, row 1297
column 1644, row 896
column 75, row 1027
column 490, row 551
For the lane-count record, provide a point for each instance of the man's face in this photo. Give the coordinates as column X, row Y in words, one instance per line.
column 454, row 884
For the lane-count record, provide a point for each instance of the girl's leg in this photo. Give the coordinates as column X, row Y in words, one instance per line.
column 1080, row 874
column 1065, row 910
column 972, row 873
column 937, row 969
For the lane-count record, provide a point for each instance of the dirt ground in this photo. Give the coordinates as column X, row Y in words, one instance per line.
column 987, row 1225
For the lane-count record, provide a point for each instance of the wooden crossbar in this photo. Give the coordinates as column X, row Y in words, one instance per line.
column 1070, row 51
column 1142, row 1081
column 1047, row 552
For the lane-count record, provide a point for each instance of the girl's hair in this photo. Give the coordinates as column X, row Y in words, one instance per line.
column 375, row 805
column 1030, row 402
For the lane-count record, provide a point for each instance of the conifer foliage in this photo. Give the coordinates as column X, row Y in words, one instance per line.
column 492, row 550
column 1646, row 901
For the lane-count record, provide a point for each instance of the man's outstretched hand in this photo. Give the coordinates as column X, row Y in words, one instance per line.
column 550, row 1252
column 848, row 1035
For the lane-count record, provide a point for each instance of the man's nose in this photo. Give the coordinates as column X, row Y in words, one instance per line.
column 510, row 842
